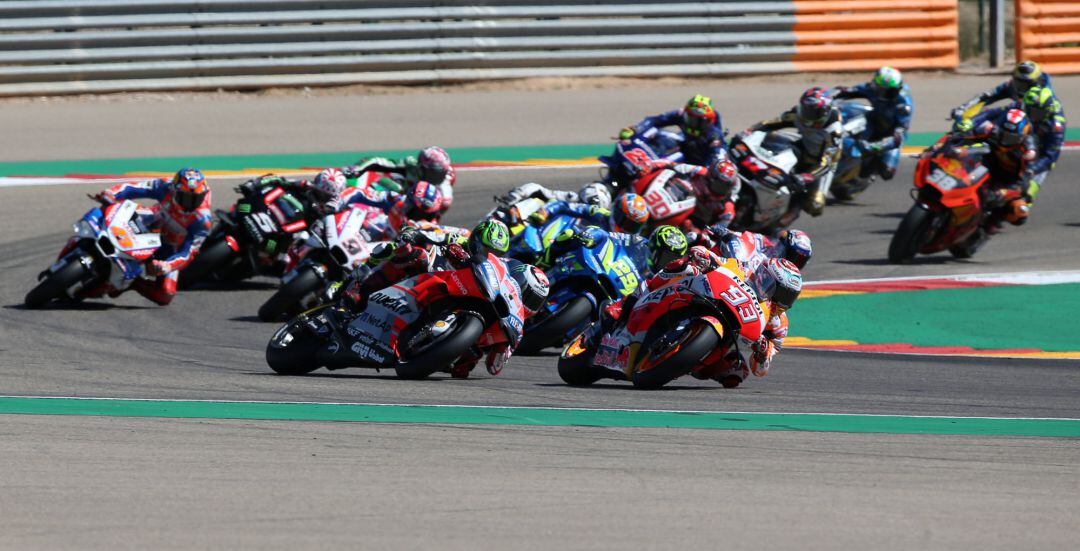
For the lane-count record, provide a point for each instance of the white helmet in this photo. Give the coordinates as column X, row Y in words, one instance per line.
column 330, row 183
column 595, row 194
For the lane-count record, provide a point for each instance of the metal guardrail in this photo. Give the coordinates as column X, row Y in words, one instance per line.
column 1048, row 31
column 75, row 46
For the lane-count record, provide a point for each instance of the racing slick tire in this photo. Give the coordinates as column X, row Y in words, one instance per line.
column 211, row 258
column 910, row 235
column 55, row 285
column 576, row 369
column 286, row 300
column 296, row 357
column 419, row 360
column 552, row 330
column 672, row 362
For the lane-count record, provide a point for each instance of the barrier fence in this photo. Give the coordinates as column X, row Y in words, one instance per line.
column 1048, row 31
column 75, row 46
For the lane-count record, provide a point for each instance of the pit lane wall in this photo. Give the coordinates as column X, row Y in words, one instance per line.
column 1048, row 31
column 95, row 46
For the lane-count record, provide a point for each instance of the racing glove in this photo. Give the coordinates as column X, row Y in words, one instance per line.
column 157, row 268
column 595, row 211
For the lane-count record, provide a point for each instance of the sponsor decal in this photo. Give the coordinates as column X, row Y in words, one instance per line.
column 334, row 347
column 458, row 283
column 398, row 304
column 369, row 352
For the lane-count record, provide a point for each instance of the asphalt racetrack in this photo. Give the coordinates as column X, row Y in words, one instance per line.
column 95, row 482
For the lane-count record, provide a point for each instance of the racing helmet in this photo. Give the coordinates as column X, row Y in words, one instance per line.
column 1039, row 103
column 1013, row 128
column 666, row 245
column 1025, row 75
column 797, row 247
column 630, row 213
column 722, row 177
column 434, row 164
column 534, row 286
column 596, row 194
column 329, row 184
column 698, row 115
column 189, row 189
column 815, row 106
column 779, row 281
column 887, row 82
column 425, row 201
column 489, row 236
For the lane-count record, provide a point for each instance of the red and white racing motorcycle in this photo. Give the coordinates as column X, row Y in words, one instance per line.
column 337, row 244
column 439, row 321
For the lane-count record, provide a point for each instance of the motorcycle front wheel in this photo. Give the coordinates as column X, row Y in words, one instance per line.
column 910, row 235
column 665, row 363
column 292, row 350
column 552, row 330
column 425, row 353
column 56, row 284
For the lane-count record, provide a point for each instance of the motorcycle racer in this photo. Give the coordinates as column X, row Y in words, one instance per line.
column 703, row 132
column 1012, row 150
column 422, row 202
column 716, row 188
column 432, row 164
column 889, row 121
column 820, row 128
column 593, row 194
column 408, row 255
column 183, row 216
column 1025, row 75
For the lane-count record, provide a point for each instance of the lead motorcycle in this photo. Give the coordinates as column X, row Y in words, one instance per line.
column 636, row 155
column 684, row 328
column 418, row 327
column 109, row 252
column 950, row 204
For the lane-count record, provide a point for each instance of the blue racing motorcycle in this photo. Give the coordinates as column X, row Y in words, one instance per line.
column 581, row 281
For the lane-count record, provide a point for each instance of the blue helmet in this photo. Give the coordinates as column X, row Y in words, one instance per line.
column 797, row 247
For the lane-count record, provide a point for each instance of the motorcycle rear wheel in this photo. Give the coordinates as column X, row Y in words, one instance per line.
column 297, row 357
column 910, row 235
column 286, row 300
column 439, row 354
column 674, row 361
column 55, row 285
column 552, row 330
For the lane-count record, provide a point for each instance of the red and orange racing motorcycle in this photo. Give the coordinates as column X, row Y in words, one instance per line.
column 951, row 185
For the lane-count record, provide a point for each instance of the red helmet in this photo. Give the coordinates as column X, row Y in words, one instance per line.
column 425, row 200
column 434, row 164
column 189, row 189
column 814, row 107
column 722, row 176
column 630, row 214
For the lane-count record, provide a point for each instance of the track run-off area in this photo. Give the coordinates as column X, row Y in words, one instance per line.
column 129, row 424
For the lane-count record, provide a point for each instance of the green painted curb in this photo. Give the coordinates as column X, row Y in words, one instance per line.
column 520, row 416
column 1007, row 317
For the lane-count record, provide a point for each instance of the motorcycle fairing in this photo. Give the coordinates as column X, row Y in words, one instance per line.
column 669, row 198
